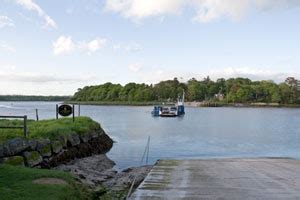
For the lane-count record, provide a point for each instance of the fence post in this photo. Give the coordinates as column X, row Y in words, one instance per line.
column 73, row 109
column 37, row 114
column 56, row 111
column 25, row 125
column 78, row 109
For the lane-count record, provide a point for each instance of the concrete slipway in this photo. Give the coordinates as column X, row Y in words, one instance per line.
column 262, row 178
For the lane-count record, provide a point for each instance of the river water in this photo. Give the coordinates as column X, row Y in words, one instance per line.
column 201, row 133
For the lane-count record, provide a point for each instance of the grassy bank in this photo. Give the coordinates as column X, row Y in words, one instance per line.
column 17, row 183
column 48, row 128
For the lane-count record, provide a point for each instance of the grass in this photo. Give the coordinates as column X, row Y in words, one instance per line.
column 16, row 184
column 48, row 128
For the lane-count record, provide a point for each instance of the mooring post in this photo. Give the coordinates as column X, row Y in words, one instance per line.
column 25, row 125
column 37, row 114
column 56, row 111
column 73, row 112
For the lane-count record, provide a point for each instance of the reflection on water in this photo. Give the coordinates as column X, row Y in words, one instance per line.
column 202, row 132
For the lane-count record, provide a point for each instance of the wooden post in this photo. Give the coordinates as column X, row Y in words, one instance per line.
column 25, row 125
column 73, row 112
column 37, row 114
column 56, row 111
column 78, row 109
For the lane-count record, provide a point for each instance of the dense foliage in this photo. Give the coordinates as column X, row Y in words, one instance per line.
column 32, row 98
column 233, row 90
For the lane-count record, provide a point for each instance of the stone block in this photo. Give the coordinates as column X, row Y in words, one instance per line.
column 32, row 158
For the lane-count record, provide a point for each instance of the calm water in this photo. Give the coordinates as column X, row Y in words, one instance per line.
column 201, row 133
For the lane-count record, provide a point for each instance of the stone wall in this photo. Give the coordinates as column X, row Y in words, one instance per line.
column 45, row 153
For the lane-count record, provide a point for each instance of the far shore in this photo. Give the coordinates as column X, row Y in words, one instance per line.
column 152, row 103
column 187, row 104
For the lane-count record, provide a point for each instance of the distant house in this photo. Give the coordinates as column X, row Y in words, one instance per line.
column 219, row 96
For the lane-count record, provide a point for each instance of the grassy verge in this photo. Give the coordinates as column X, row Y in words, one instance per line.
column 114, row 103
column 48, row 128
column 16, row 183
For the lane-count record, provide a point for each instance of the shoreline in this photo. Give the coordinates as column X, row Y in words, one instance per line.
column 189, row 104
column 98, row 174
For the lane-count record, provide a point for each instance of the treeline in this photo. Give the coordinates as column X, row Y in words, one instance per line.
column 33, row 98
column 233, row 90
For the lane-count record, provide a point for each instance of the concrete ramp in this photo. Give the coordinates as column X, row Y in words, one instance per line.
column 263, row 178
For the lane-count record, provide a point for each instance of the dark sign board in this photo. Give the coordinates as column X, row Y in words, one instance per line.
column 65, row 110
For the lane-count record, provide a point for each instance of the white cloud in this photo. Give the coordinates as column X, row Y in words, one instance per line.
column 160, row 74
column 6, row 22
column 209, row 10
column 205, row 10
column 136, row 67
column 17, row 81
column 93, row 45
column 117, row 47
column 32, row 6
column 7, row 67
column 252, row 73
column 7, row 48
column 65, row 44
column 140, row 9
column 10, row 73
column 133, row 47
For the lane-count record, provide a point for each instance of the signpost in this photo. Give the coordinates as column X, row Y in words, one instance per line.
column 65, row 110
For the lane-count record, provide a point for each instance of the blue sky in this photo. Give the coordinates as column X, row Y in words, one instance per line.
column 54, row 47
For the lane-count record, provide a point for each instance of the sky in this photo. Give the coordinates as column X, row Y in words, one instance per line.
column 55, row 47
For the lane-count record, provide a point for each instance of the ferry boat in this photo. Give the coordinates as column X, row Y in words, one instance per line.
column 174, row 110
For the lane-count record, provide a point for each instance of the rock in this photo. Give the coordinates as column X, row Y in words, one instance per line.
column 73, row 139
column 98, row 173
column 14, row 146
column 94, row 134
column 56, row 147
column 101, row 144
column 44, row 147
column 85, row 137
column 14, row 160
column 63, row 140
column 62, row 157
column 32, row 158
column 84, row 150
column 32, row 144
column 91, row 170
column 124, row 179
column 101, row 131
